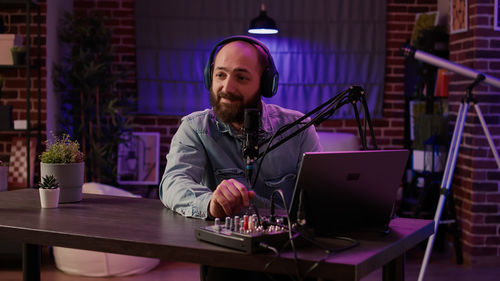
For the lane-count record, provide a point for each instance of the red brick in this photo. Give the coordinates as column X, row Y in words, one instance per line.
column 108, row 4
column 123, row 13
column 483, row 251
column 168, row 121
column 480, row 229
column 492, row 240
column 162, row 131
column 393, row 9
column 140, row 120
column 400, row 18
column 84, row 4
column 128, row 4
column 393, row 133
column 416, row 9
column 332, row 123
column 484, row 208
column 492, row 219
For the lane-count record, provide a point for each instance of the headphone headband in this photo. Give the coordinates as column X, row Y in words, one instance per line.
column 270, row 76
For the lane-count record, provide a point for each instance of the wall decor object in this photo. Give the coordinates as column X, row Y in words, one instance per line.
column 423, row 21
column 458, row 16
column 139, row 158
column 18, row 169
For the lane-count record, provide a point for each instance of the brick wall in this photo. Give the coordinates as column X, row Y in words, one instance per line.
column 14, row 89
column 476, row 178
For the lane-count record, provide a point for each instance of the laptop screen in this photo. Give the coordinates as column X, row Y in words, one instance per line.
column 348, row 190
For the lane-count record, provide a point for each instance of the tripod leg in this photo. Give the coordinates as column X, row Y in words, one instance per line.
column 446, row 182
column 457, row 245
column 487, row 134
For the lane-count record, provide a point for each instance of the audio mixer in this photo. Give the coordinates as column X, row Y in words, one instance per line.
column 244, row 234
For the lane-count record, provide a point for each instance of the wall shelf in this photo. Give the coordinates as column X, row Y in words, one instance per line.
column 30, row 131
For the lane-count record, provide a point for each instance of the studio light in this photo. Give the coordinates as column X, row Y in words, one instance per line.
column 263, row 24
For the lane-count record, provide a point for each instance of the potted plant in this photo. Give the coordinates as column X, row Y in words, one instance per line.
column 95, row 101
column 49, row 192
column 64, row 160
column 18, row 55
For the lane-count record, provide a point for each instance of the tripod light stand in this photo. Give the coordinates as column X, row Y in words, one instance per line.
column 478, row 77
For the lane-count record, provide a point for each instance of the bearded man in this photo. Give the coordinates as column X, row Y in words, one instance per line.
column 205, row 172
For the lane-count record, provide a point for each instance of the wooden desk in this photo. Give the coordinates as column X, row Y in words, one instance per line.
column 144, row 227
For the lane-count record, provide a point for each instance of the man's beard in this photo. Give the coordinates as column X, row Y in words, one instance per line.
column 233, row 112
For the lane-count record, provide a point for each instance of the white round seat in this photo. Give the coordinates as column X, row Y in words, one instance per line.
column 100, row 264
column 338, row 141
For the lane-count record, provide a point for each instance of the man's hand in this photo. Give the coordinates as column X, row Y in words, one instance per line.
column 229, row 198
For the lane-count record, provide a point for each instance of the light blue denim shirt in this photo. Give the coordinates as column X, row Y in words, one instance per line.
column 205, row 151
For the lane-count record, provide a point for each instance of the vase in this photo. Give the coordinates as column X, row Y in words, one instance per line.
column 49, row 198
column 70, row 179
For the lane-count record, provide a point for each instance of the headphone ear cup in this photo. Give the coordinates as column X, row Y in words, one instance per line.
column 207, row 75
column 266, row 84
column 269, row 83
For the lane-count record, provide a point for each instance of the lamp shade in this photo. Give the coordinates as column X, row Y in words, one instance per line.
column 263, row 24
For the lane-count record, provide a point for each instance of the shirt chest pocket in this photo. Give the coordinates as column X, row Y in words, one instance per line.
column 283, row 182
column 231, row 173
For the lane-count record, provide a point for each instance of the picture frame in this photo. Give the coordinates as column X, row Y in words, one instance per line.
column 18, row 166
column 139, row 159
column 496, row 20
column 458, row 16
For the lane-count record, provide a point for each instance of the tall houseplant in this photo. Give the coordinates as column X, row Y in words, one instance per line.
column 63, row 160
column 94, row 109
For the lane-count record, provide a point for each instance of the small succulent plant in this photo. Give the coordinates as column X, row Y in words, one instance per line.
column 49, row 182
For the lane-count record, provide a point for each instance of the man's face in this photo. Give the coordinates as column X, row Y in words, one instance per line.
column 235, row 81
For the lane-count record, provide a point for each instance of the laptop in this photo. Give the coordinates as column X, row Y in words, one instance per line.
column 348, row 191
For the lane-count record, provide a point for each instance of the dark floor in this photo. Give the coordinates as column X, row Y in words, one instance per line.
column 441, row 267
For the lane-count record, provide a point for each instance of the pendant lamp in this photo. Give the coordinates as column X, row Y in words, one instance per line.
column 263, row 24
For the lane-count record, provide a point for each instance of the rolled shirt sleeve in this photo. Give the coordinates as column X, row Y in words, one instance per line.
column 180, row 188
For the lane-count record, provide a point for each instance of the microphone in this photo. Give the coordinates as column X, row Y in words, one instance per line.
column 251, row 124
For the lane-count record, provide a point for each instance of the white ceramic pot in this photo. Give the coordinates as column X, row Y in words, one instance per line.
column 70, row 179
column 49, row 198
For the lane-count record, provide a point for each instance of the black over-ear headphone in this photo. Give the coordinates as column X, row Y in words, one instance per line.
column 270, row 76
